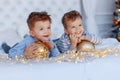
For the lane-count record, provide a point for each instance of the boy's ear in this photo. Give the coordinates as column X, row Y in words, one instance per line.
column 31, row 33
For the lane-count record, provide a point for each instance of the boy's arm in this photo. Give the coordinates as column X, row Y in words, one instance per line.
column 54, row 52
column 92, row 38
column 64, row 45
column 18, row 50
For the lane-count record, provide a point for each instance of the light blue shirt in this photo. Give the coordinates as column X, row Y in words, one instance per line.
column 18, row 50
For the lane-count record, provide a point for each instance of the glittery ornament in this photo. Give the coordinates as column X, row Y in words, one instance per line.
column 116, row 22
column 42, row 50
column 118, row 37
column 85, row 46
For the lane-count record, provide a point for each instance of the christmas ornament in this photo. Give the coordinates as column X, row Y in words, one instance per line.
column 117, row 4
column 118, row 37
column 116, row 17
column 116, row 22
column 42, row 51
column 85, row 46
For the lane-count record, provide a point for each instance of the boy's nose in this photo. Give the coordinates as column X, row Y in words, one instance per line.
column 47, row 31
column 77, row 32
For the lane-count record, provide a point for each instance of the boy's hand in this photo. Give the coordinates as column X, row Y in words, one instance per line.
column 48, row 44
column 83, row 37
column 79, row 37
column 28, row 53
column 73, row 40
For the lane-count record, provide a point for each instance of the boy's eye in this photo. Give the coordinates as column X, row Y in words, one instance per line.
column 73, row 26
column 49, row 27
column 41, row 28
column 80, row 25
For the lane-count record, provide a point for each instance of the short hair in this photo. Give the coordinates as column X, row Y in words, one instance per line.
column 37, row 16
column 70, row 16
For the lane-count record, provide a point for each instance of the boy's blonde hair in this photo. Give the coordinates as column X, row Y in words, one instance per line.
column 37, row 16
column 70, row 16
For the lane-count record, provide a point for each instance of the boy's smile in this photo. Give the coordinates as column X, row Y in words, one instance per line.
column 46, row 35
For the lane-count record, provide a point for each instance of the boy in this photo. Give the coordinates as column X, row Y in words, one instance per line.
column 73, row 32
column 39, row 24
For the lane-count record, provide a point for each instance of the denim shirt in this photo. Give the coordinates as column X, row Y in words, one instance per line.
column 18, row 50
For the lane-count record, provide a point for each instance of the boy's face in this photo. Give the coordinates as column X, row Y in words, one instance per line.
column 41, row 30
column 74, row 27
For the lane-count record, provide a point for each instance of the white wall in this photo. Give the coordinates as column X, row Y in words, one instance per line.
column 13, row 15
column 14, row 12
column 104, row 15
column 97, row 16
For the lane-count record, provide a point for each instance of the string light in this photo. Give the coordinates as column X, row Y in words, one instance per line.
column 70, row 56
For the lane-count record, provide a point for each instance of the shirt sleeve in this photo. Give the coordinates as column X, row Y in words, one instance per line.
column 54, row 52
column 63, row 44
column 18, row 50
column 92, row 38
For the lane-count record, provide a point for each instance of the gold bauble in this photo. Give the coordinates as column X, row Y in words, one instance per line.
column 85, row 46
column 116, row 22
column 118, row 10
column 118, row 37
column 42, row 51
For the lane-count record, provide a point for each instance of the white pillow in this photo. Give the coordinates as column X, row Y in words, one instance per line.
column 22, row 31
column 10, row 36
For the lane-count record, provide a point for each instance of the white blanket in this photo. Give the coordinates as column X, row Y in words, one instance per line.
column 107, row 68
